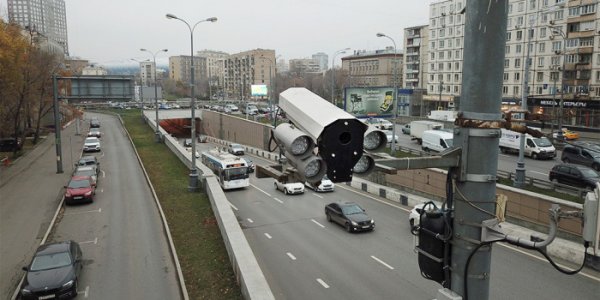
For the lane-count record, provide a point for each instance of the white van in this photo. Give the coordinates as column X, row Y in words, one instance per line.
column 436, row 140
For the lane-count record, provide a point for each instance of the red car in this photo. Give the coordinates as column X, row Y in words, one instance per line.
column 79, row 190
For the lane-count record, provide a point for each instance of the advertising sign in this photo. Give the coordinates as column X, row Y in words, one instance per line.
column 259, row 90
column 375, row 101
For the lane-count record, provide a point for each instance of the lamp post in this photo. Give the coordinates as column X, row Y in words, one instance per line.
column 141, row 87
column 271, row 64
column 332, row 72
column 193, row 184
column 559, row 31
column 440, row 97
column 395, row 105
column 157, row 134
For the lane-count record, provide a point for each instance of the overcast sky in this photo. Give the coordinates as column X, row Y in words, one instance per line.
column 112, row 31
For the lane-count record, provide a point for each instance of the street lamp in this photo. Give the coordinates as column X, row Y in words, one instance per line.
column 270, row 87
column 395, row 105
column 157, row 134
column 559, row 31
column 193, row 185
column 332, row 72
column 141, row 87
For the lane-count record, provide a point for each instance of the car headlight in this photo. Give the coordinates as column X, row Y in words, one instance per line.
column 88, row 193
column 372, row 221
column 68, row 284
column 67, row 194
column 354, row 223
column 25, row 292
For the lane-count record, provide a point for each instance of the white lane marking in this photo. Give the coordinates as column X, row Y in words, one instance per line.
column 291, row 256
column 233, row 206
column 278, row 200
column 103, row 173
column 539, row 173
column 260, row 190
column 95, row 242
column 250, row 220
column 318, row 195
column 319, row 280
column 315, row 221
column 99, row 210
column 268, row 236
column 582, row 273
column 85, row 293
column 382, row 262
column 102, row 155
column 101, row 190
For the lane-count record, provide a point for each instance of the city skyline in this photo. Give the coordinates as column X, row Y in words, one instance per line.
column 111, row 33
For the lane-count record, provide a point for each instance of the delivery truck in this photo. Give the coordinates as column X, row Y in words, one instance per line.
column 436, row 140
column 536, row 148
column 418, row 127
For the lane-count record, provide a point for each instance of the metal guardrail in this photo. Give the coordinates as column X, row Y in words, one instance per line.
column 557, row 187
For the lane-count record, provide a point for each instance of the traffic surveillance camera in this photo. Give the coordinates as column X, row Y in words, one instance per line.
column 298, row 148
column 338, row 135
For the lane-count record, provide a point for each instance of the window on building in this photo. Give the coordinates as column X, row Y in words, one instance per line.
column 441, row 67
column 518, row 49
column 507, row 63
column 543, row 32
column 532, row 4
column 557, row 46
column 540, row 90
column 441, row 44
column 520, row 6
column 542, row 47
column 441, row 55
column 541, row 61
column 456, row 78
column 515, row 90
column 519, row 35
column 504, row 90
column 505, row 76
column 517, row 76
column 559, row 15
column 508, row 35
column 539, row 76
column 457, row 66
column 597, row 76
column 432, row 55
column 556, row 61
column 507, row 49
column 517, row 62
column 449, row 54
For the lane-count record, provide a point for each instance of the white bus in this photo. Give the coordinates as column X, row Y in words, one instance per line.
column 231, row 170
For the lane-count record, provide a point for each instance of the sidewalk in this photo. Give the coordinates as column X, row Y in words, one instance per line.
column 30, row 191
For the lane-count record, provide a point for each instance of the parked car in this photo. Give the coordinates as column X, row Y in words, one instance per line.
column 567, row 134
column 189, row 149
column 94, row 132
column 350, row 215
column 87, row 171
column 53, row 272
column 89, row 160
column 231, row 107
column 91, row 144
column 187, row 143
column 388, row 134
column 415, row 214
column 10, row 144
column 79, row 189
column 235, row 149
column 289, row 187
column 379, row 123
column 250, row 163
column 406, row 129
column 581, row 155
column 203, row 139
column 325, row 185
column 574, row 175
column 95, row 123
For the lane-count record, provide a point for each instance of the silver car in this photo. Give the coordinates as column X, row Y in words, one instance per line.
column 91, row 144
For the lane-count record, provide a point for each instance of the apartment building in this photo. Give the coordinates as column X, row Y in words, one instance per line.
column 147, row 71
column 45, row 17
column 247, row 68
column 373, row 68
column 215, row 67
column 415, row 57
column 304, row 65
column 180, row 68
column 322, row 59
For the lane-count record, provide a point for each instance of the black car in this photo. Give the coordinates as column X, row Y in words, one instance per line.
column 350, row 215
column 10, row 144
column 89, row 160
column 574, row 175
column 53, row 272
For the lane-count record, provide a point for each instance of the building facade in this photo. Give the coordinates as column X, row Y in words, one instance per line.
column 322, row 59
column 147, row 71
column 415, row 57
column 373, row 68
column 94, row 70
column 180, row 68
column 215, row 69
column 247, row 68
column 304, row 65
column 46, row 17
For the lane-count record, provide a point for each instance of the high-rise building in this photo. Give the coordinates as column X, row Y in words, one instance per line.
column 45, row 17
column 247, row 68
column 322, row 59
column 179, row 68
column 147, row 70
column 304, row 65
column 415, row 57
column 215, row 68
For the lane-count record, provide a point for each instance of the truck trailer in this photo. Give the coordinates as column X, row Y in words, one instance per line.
column 418, row 127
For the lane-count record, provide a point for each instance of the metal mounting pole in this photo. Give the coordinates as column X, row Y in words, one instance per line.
column 57, row 127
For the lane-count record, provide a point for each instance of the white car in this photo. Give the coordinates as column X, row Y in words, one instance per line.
column 91, row 144
column 189, row 149
column 415, row 213
column 379, row 123
column 231, row 107
column 290, row 187
column 325, row 186
column 388, row 134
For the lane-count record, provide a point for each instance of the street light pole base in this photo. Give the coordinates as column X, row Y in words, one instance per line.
column 193, row 183
column 519, row 181
column 157, row 137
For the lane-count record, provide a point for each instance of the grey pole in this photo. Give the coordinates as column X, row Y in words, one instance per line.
column 440, row 98
column 270, row 89
column 333, row 71
column 520, row 170
column 157, row 132
column 193, row 182
column 475, row 188
column 57, row 127
column 559, row 135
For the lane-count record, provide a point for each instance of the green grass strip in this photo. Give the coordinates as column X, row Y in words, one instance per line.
column 204, row 261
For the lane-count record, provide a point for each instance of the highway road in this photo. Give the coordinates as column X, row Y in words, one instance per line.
column 125, row 250
column 305, row 257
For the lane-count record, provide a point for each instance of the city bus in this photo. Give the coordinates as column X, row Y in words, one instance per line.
column 231, row 170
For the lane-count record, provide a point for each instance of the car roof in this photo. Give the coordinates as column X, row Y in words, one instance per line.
column 57, row 247
column 81, row 178
column 88, row 157
column 573, row 166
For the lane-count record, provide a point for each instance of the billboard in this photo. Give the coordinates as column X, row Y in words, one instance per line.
column 375, row 101
column 259, row 90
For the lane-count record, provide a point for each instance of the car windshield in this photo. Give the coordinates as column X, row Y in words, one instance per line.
column 94, row 130
column 542, row 142
column 50, row 261
column 449, row 142
column 589, row 173
column 85, row 173
column 78, row 184
column 91, row 140
column 351, row 209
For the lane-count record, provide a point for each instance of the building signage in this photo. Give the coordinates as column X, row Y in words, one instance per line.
column 258, row 89
column 590, row 104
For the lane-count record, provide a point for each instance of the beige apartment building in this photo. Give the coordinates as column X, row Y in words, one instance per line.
column 373, row 68
column 215, row 68
column 179, row 68
column 304, row 65
column 241, row 70
column 415, row 56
